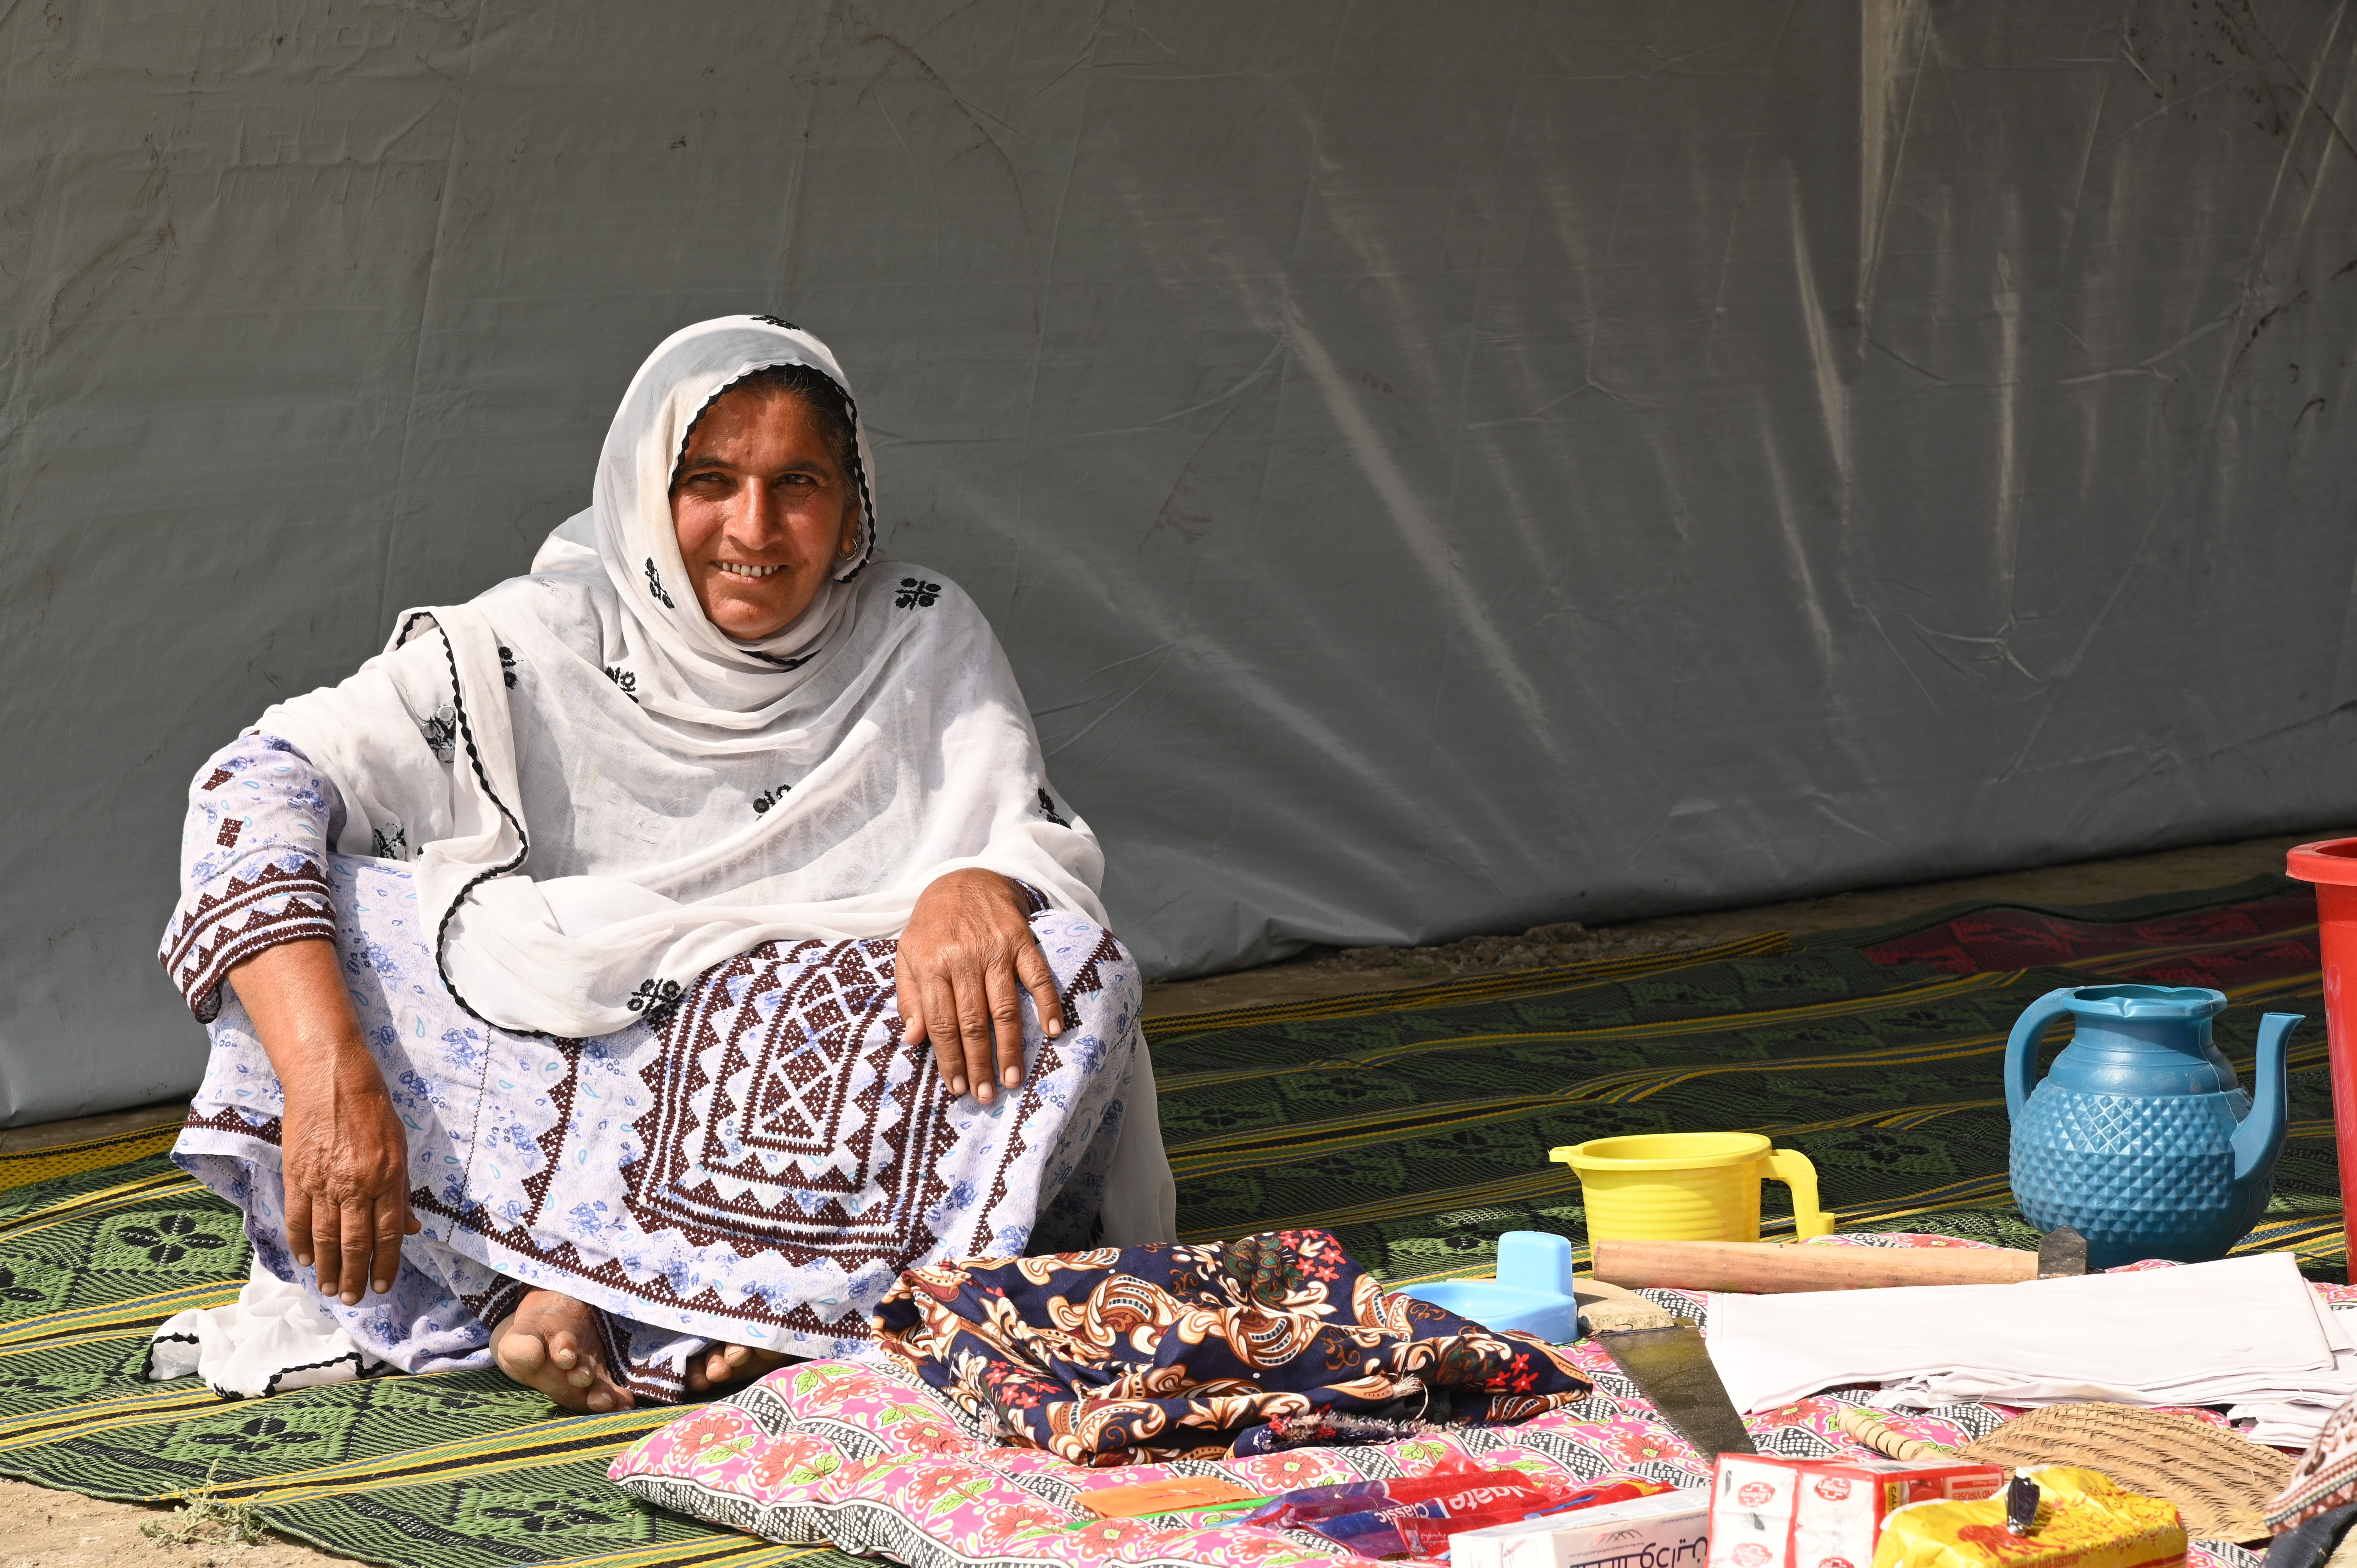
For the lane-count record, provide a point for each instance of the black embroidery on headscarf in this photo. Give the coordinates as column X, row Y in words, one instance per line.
column 628, row 680
column 654, row 999
column 1048, row 810
column 768, row 797
column 523, row 847
column 655, row 584
column 507, row 666
column 779, row 321
column 867, row 500
column 389, row 843
column 915, row 594
column 441, row 733
column 785, row 663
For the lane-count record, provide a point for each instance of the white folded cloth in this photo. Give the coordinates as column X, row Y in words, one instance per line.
column 2291, row 1422
column 2246, row 1332
column 275, row 1337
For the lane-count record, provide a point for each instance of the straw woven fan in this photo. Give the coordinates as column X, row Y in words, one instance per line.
column 2221, row 1483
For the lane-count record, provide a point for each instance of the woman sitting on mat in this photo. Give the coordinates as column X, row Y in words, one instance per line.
column 631, row 971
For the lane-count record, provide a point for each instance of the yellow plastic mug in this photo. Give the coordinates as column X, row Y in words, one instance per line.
column 1688, row 1186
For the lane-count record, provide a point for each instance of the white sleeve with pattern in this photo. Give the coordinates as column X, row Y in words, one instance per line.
column 253, row 864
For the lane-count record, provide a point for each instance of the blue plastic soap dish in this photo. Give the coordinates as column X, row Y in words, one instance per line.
column 1532, row 1293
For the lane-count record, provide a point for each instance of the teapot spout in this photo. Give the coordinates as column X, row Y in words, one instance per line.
column 2260, row 1137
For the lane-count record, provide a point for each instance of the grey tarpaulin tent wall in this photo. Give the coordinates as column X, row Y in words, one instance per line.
column 1436, row 468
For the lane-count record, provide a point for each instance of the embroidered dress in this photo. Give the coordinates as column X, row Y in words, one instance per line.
column 755, row 1165
column 616, row 896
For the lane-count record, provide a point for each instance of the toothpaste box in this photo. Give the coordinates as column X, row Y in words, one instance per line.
column 1843, row 1503
column 1827, row 1512
column 1751, row 1504
column 1669, row 1530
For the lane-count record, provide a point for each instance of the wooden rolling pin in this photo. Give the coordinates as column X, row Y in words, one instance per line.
column 1769, row 1267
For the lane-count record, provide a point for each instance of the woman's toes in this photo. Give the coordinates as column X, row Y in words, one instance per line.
column 520, row 1356
column 543, row 1347
column 730, row 1364
column 564, row 1354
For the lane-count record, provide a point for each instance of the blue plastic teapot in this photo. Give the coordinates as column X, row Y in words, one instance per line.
column 2140, row 1136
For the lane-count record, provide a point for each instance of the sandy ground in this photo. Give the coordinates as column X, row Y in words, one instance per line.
column 58, row 1529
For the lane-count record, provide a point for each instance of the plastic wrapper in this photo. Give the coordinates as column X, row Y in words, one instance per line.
column 1466, row 1489
column 1373, row 1525
column 1667, row 1530
column 2083, row 1521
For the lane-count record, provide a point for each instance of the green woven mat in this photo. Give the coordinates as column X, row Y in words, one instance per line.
column 1416, row 1124
column 459, row 1470
column 1420, row 1137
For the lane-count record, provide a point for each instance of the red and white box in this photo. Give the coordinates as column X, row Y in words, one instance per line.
column 1826, row 1513
column 1751, row 1505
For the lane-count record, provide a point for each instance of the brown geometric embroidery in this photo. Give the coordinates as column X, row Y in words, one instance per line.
column 772, row 1089
column 657, row 1291
column 220, row 777
column 227, row 837
column 774, row 1068
column 1088, row 980
column 229, row 1119
column 226, row 928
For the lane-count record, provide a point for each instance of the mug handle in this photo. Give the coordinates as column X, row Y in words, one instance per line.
column 1792, row 1168
column 2021, row 1047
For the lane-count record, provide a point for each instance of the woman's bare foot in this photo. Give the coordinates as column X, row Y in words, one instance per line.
column 731, row 1364
column 549, row 1343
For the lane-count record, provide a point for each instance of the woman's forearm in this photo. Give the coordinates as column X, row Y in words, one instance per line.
column 345, row 1156
column 294, row 995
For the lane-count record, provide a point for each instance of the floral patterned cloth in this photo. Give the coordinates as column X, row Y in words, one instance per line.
column 756, row 1163
column 1182, row 1351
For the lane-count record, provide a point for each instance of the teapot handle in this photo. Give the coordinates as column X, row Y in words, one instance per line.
column 2021, row 1049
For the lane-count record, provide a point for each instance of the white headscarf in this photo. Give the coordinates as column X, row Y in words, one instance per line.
column 605, row 795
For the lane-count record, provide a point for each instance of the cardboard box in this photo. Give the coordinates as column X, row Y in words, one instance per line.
column 1751, row 1504
column 1670, row 1530
column 1825, row 1513
column 1842, row 1503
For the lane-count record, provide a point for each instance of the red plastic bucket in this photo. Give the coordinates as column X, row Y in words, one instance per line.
column 2331, row 864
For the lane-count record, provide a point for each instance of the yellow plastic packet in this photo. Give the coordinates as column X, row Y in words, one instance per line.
column 2083, row 1521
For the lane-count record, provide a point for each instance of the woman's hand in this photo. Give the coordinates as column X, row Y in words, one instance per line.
column 965, row 961
column 346, row 1156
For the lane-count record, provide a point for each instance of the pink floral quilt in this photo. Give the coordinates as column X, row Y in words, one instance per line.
column 862, row 1455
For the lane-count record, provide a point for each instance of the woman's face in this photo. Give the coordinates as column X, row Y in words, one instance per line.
column 762, row 509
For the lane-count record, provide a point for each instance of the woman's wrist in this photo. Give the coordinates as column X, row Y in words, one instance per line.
column 340, row 1071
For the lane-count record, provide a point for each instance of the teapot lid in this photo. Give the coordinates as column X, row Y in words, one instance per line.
column 2147, row 1001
